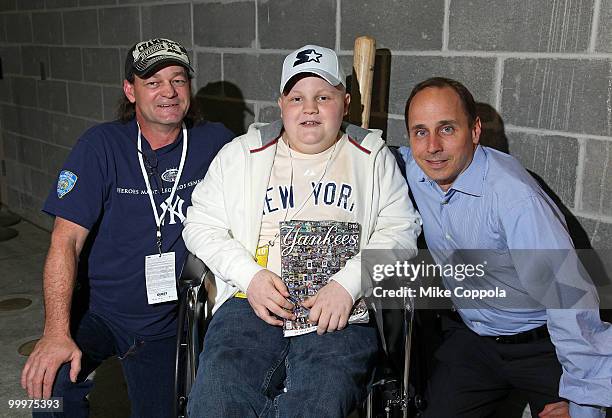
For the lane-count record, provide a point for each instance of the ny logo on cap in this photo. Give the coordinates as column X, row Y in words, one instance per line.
column 307, row 55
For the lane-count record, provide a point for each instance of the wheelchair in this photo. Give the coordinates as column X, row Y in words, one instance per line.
column 394, row 394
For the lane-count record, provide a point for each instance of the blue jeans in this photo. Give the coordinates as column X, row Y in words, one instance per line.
column 248, row 369
column 148, row 367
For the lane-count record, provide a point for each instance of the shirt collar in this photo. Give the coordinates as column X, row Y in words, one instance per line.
column 472, row 180
column 160, row 151
column 412, row 168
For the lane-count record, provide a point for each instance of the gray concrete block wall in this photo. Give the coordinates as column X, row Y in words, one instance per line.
column 517, row 25
column 553, row 158
column 168, row 20
column 283, row 24
column 2, row 29
column 597, row 190
column 214, row 20
column 55, row 4
column 32, row 57
column 558, row 94
column 47, row 27
column 119, row 25
column 52, row 95
column 604, row 37
column 18, row 27
column 102, row 65
column 81, row 27
column 540, row 70
column 65, row 63
column 396, row 24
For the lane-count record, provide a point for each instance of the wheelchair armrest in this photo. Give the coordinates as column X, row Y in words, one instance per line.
column 193, row 272
column 190, row 313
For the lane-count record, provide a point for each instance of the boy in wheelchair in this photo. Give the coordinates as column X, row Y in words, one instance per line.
column 255, row 218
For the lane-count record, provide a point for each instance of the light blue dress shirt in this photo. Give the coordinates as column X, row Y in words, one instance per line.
column 496, row 205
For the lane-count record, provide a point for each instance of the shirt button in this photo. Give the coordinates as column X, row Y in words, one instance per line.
column 448, row 237
column 444, row 202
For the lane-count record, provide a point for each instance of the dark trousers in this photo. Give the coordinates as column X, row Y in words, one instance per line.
column 148, row 367
column 474, row 374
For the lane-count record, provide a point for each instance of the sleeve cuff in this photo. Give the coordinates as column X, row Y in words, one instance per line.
column 245, row 274
column 586, row 411
column 354, row 291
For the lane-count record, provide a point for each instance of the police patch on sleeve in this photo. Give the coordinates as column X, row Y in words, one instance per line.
column 65, row 183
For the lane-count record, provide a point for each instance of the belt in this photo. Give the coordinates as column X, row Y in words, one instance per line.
column 532, row 335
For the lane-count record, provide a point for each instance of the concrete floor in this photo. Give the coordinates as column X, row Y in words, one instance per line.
column 21, row 262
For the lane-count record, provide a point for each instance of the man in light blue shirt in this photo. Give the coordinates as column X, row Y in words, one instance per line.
column 474, row 197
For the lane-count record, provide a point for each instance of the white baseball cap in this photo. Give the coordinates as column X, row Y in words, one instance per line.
column 312, row 59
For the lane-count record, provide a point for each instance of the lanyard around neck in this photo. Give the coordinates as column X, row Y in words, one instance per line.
column 158, row 218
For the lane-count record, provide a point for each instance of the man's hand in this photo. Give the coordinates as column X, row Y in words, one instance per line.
column 267, row 295
column 330, row 308
column 555, row 410
column 49, row 354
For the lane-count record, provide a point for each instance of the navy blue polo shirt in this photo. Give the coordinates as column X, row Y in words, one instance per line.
column 101, row 187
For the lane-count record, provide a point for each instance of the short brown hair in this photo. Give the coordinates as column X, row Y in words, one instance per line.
column 467, row 100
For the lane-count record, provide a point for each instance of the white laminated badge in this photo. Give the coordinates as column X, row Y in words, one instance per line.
column 161, row 278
